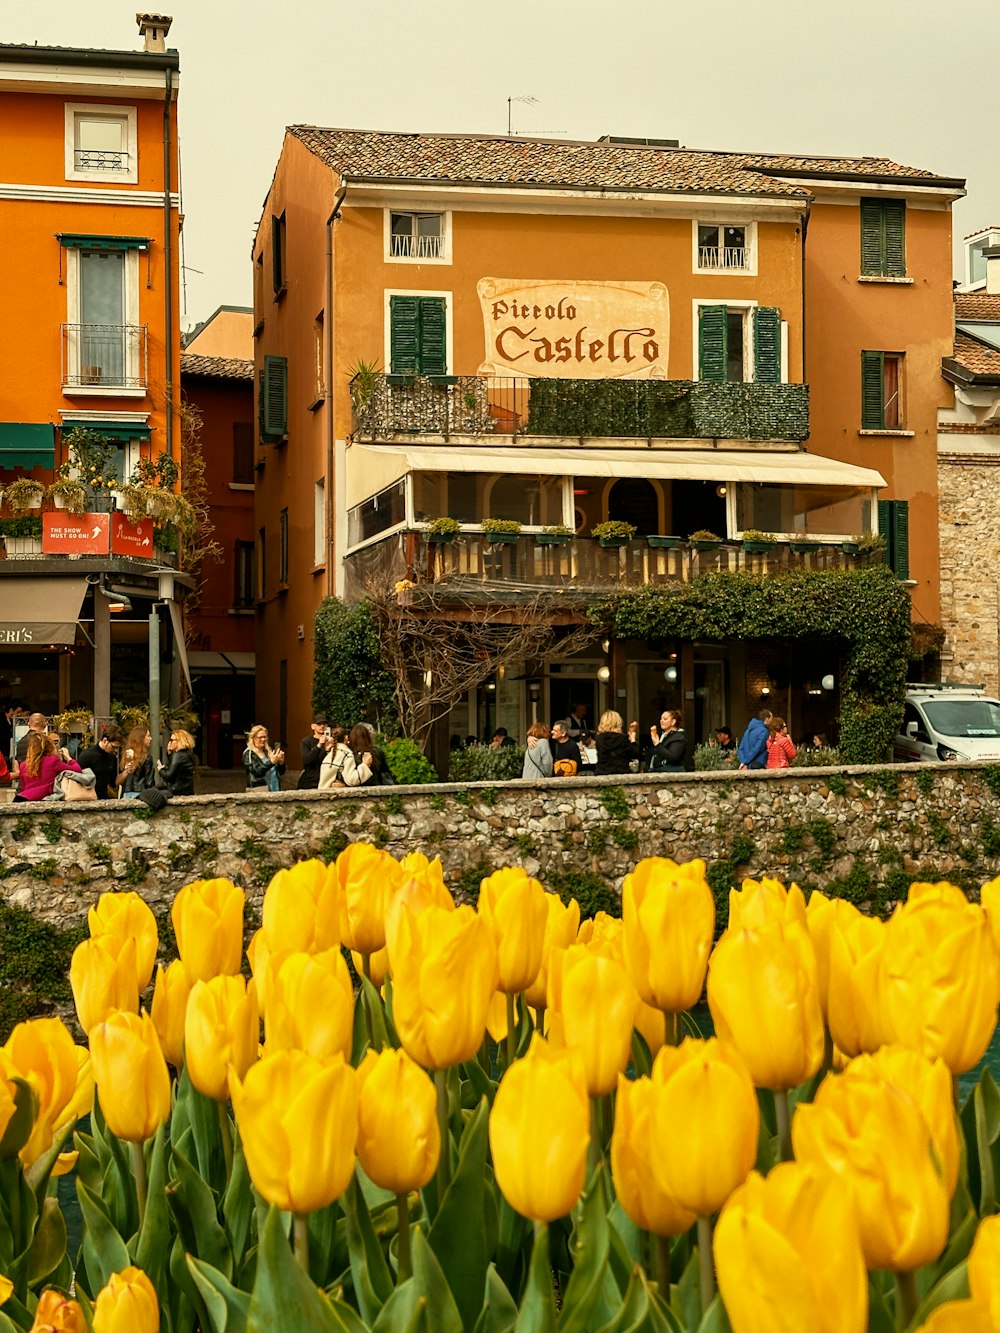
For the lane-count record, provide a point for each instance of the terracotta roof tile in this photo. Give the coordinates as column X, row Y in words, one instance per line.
column 459, row 159
column 216, row 367
column 977, row 305
column 975, row 356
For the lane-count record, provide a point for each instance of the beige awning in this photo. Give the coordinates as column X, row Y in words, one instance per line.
column 229, row 663
column 177, row 622
column 36, row 612
column 721, row 465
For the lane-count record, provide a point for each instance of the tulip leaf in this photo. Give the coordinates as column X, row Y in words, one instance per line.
column 986, row 1129
column 202, row 1120
column 499, row 1314
column 512, row 1237
column 88, row 1168
column 370, row 999
column 716, row 1320
column 324, row 1262
column 538, row 1309
column 227, row 1307
column 152, row 1245
column 18, row 1130
column 103, row 1248
column 638, row 1312
column 346, row 1320
column 38, row 1173
column 186, row 1303
column 642, row 1060
column 285, row 1299
column 880, row 1318
column 954, row 1286
column 238, row 1204
column 479, row 1081
column 960, row 1240
column 370, row 1274
column 194, row 1209
column 18, row 1210
column 464, row 1234
column 6, row 1326
column 49, row 1243
column 686, row 1296
column 591, row 1245
column 424, row 1302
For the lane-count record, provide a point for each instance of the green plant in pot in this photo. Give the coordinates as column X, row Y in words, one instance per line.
column 704, row 540
column 613, row 532
column 443, row 529
column 70, row 494
column 364, row 377
column 24, row 493
column 501, row 529
column 133, row 499
column 757, row 542
column 556, row 535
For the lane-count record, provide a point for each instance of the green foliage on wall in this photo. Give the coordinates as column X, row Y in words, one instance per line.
column 866, row 610
column 34, row 965
column 408, row 763
column 349, row 682
column 481, row 763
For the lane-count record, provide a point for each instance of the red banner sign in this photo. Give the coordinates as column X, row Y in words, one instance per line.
column 134, row 539
column 75, row 534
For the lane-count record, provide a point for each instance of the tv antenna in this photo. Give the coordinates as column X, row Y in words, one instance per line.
column 526, row 99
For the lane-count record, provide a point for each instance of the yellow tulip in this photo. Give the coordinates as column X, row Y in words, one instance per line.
column 208, row 923
column 984, row 1266
column 6, row 1288
column 170, row 997
column 595, row 1001
column 103, row 976
column 42, row 1052
column 788, row 1255
column 56, row 1313
column 121, row 916
column 990, row 898
column 368, row 877
column 263, row 963
column 646, row 1204
column 398, row 1136
column 221, row 1028
column 127, row 1304
column 705, row 1122
column 603, row 934
column 496, row 1017
column 960, row 1317
column 302, row 909
column 762, row 902
column 513, row 905
column 651, row 1025
column 133, row 1083
column 876, row 1139
column 298, row 1122
column 8, row 1105
column 941, row 977
column 764, row 997
column 378, row 966
column 856, row 953
column 668, row 913
column 444, row 974
column 422, row 886
column 561, row 926
column 540, row 1132
column 820, row 914
column 311, row 1005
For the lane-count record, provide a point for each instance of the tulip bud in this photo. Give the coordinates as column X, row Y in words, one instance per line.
column 764, row 998
column 604, row 935
column 311, row 1005
column 761, row 902
column 649, row 1207
column 56, row 1313
column 127, row 1304
column 131, row 1075
column 788, row 1254
column 445, row 971
column 168, row 1010
column 368, row 877
column 876, row 1139
column 42, row 1052
column 705, row 1123
column 120, row 916
column 668, row 913
column 302, row 909
column 540, row 1132
column 561, row 925
column 208, row 922
column 984, row 1266
column 513, row 904
column 960, row 1317
column 298, row 1122
column 422, row 886
column 6, row 1288
column 103, row 976
column 398, row 1135
column 856, row 953
column 221, row 1028
column 595, row 1001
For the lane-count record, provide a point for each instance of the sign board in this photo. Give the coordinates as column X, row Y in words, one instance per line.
column 575, row 330
column 128, row 538
column 75, row 534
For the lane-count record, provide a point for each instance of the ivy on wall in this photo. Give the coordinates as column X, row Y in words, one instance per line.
column 349, row 682
column 866, row 610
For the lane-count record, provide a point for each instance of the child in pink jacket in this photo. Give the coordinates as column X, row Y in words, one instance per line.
column 780, row 750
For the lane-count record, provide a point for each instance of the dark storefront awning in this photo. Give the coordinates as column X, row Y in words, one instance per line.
column 111, row 430
column 25, row 444
column 37, row 612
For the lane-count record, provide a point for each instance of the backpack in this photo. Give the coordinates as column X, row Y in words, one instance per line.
column 565, row 768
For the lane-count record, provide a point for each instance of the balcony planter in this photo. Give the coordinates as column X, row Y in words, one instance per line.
column 552, row 538
column 804, row 548
column 22, row 548
column 501, row 531
column 443, row 529
column 850, row 548
column 69, row 494
column 23, row 494
column 756, row 542
column 664, row 543
column 613, row 532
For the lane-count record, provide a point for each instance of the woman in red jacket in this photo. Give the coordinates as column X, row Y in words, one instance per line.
column 780, row 750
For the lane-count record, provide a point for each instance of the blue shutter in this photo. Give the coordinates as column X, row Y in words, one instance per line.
column 712, row 343
column 767, row 345
column 872, row 402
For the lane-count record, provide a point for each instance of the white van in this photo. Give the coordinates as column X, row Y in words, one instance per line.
column 948, row 722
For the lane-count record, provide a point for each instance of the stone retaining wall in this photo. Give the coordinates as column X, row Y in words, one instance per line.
column 864, row 831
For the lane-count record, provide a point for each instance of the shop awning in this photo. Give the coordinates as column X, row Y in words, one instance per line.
column 721, row 465
column 177, row 622
column 27, row 445
column 73, row 240
column 38, row 612
column 229, row 663
column 112, row 430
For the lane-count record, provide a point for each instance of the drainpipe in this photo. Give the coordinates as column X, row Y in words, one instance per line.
column 805, row 231
column 331, row 433
column 168, row 266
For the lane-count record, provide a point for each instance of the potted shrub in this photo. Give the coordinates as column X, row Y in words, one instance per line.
column 704, row 540
column 666, row 543
column 756, row 542
column 557, row 535
column 69, row 494
column 501, row 530
column 443, row 529
column 613, row 532
column 803, row 545
column 863, row 543
column 24, row 493
column 133, row 500
column 161, row 504
column 22, row 536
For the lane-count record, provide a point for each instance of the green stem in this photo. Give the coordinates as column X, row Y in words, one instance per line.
column 511, row 1031
column 300, row 1233
column 366, row 965
column 139, row 1171
column 907, row 1299
column 607, row 1120
column 663, row 1265
column 444, row 1160
column 540, row 1020
column 403, row 1229
column 671, row 1026
column 784, row 1125
column 706, row 1269
column 594, row 1151
column 366, row 968
column 226, row 1130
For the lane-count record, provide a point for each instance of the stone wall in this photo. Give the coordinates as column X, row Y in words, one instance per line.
column 864, row 831
column 969, row 503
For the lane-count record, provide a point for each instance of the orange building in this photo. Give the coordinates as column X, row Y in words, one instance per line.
column 89, row 203
column 560, row 334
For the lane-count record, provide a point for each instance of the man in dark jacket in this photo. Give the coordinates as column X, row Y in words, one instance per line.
column 562, row 747
column 752, row 749
column 313, row 750
column 102, row 759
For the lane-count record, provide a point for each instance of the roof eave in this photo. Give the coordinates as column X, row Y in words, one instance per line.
column 956, row 373
column 57, row 55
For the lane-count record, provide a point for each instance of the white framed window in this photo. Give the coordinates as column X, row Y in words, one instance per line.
column 417, row 236
column 724, row 247
column 319, row 522
column 101, row 143
column 105, row 351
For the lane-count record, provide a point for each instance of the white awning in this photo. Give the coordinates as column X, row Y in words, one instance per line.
column 763, row 466
column 38, row 611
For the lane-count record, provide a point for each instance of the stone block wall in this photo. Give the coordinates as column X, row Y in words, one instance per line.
column 969, row 506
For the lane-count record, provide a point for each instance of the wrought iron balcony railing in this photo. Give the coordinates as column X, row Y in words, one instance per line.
column 386, row 406
column 105, row 356
column 100, row 159
column 723, row 256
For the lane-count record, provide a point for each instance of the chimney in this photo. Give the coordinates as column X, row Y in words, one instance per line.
column 154, row 28
column 992, row 256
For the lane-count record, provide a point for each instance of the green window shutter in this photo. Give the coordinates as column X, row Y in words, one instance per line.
column 767, row 345
column 894, row 527
column 433, row 336
column 404, row 335
column 894, row 237
column 872, row 406
column 871, row 236
column 712, row 342
column 277, row 259
column 274, row 398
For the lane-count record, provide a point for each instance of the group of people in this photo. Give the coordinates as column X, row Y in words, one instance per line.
column 766, row 742
column 331, row 756
column 566, row 748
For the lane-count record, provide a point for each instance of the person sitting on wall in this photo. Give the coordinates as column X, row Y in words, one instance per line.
column 339, row 762
column 138, row 771
column 780, row 749
column 264, row 764
column 752, row 749
column 42, row 764
column 537, row 754
column 102, row 759
column 177, row 775
column 38, row 724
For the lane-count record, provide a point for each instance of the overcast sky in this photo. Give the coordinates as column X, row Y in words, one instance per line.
column 914, row 80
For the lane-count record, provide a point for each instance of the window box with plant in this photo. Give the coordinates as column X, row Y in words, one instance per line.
column 501, row 530
column 658, row 540
column 443, row 529
column 24, row 493
column 704, row 540
column 22, row 536
column 557, row 535
column 613, row 532
column 756, row 542
column 863, row 543
column 804, row 546
column 68, row 493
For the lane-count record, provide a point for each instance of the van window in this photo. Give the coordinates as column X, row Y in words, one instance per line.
column 910, row 714
column 964, row 717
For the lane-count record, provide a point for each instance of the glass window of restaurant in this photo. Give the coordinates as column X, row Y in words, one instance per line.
column 535, row 501
column 816, row 511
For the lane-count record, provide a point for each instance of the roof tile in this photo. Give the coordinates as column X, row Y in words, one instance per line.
column 975, row 356
column 216, row 367
column 977, row 305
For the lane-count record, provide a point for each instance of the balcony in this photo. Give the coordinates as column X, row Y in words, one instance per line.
column 729, row 257
column 104, row 356
column 389, row 406
column 479, row 570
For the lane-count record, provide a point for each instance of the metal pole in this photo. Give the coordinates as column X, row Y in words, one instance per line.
column 102, row 655
column 154, row 680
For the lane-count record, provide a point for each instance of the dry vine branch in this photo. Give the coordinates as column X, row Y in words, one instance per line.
column 200, row 546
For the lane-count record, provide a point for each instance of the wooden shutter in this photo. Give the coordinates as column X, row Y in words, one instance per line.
column 274, row 398
column 712, row 342
column 404, row 335
column 872, row 407
column 871, row 236
column 894, row 526
column 894, row 237
column 277, row 261
column 767, row 345
column 433, row 336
